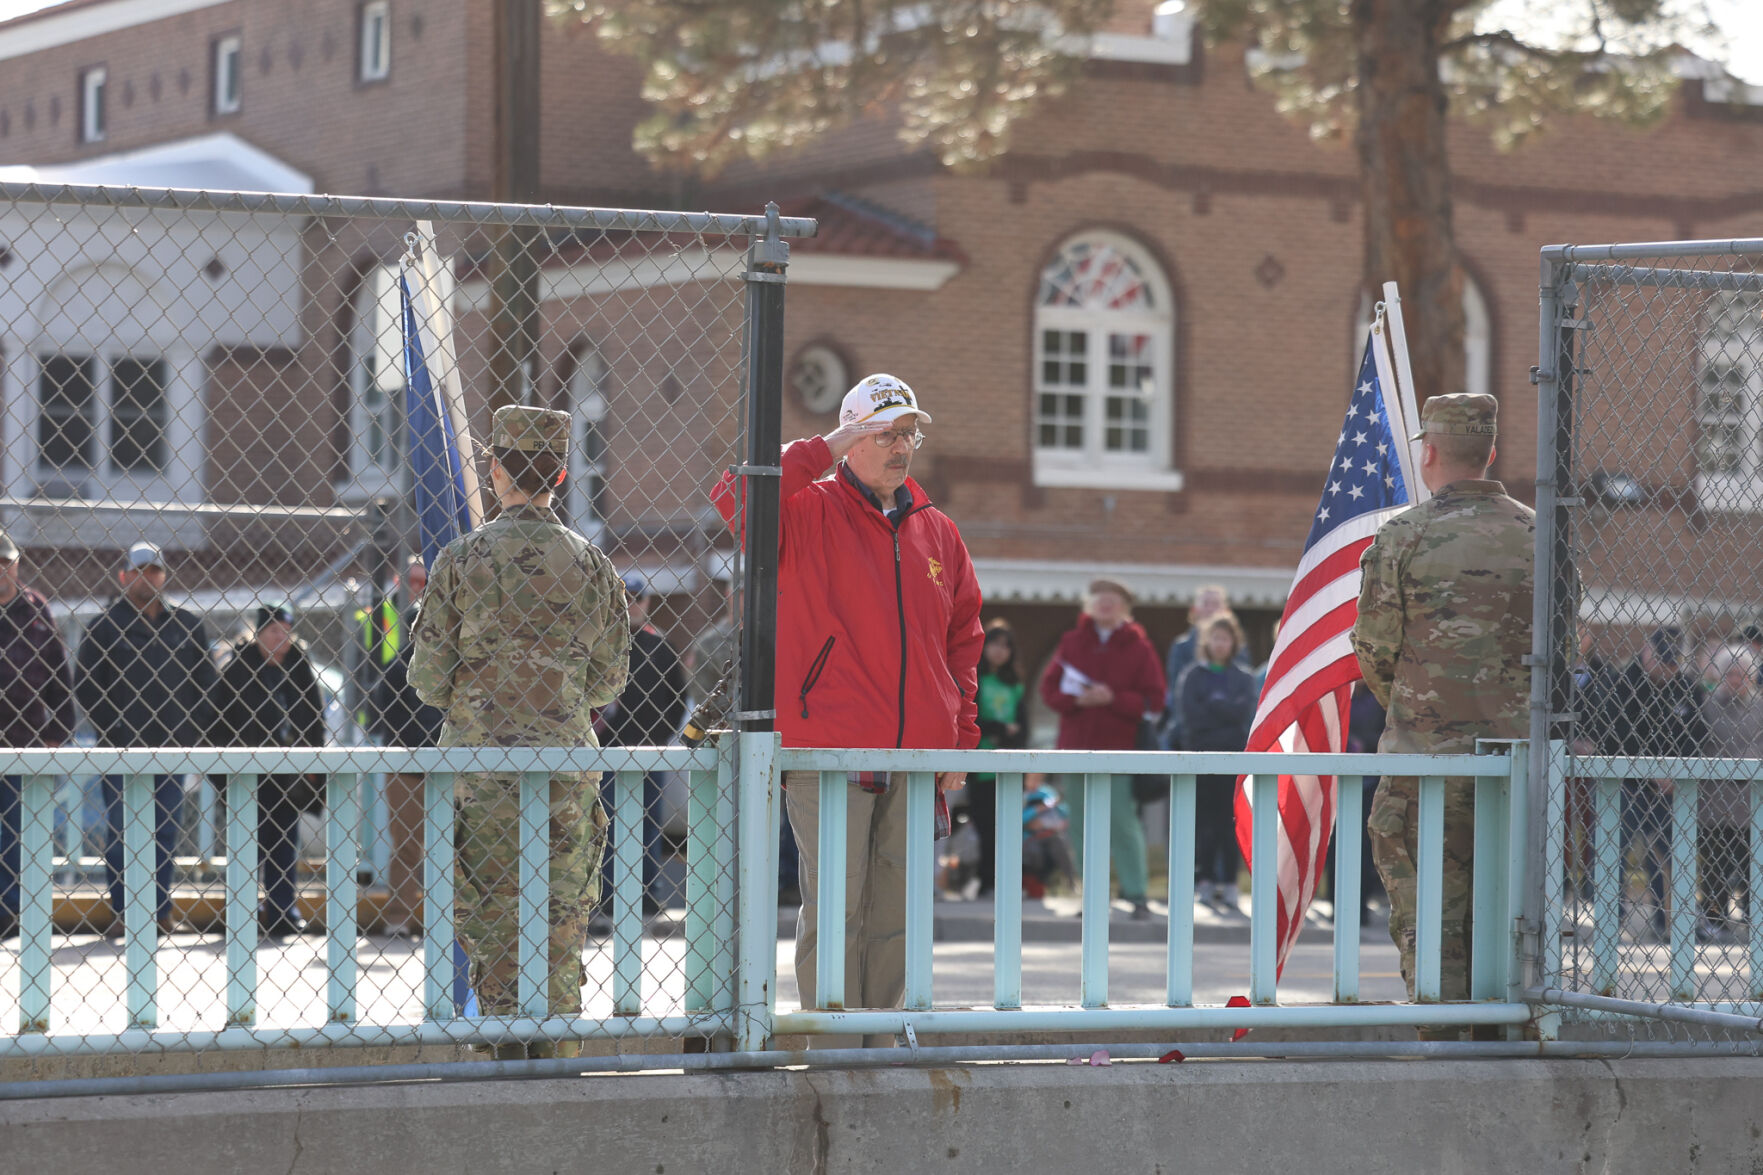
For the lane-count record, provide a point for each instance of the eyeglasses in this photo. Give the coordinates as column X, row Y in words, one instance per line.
column 887, row 440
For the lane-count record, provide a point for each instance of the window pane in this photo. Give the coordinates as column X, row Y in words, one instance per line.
column 137, row 417
column 1729, row 410
column 66, row 422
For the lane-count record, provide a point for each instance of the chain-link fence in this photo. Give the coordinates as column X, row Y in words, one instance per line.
column 227, row 423
column 1653, row 381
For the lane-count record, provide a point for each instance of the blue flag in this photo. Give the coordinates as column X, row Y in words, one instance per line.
column 443, row 512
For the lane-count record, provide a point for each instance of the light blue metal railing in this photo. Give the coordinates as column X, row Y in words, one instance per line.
column 730, row 935
column 1496, row 983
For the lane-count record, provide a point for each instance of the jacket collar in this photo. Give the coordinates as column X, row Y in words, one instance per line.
column 527, row 512
column 906, row 499
column 1481, row 486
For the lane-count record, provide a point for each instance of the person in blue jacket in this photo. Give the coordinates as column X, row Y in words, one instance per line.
column 1216, row 695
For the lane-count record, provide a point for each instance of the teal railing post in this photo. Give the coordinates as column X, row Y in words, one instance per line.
column 341, row 862
column 1093, row 976
column 1180, row 947
column 241, row 899
column 727, row 834
column 437, row 897
column 921, row 851
column 36, row 900
column 1607, row 882
column 627, row 895
column 1683, row 889
column 1348, row 877
column 829, row 928
column 140, row 899
column 756, row 965
column 1264, row 892
column 1490, row 928
column 1517, row 869
column 1543, row 894
column 1429, row 870
column 1754, row 895
column 1007, row 894
column 704, row 911
column 533, row 948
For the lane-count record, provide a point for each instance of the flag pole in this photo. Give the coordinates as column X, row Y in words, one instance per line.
column 1398, row 341
column 1407, row 458
column 437, row 316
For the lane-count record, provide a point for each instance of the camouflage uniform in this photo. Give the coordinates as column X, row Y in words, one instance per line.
column 1443, row 627
column 522, row 632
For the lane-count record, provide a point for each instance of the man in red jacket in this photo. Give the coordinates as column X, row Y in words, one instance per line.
column 877, row 646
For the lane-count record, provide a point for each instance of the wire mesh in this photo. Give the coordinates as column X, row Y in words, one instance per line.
column 1656, row 819
column 210, row 483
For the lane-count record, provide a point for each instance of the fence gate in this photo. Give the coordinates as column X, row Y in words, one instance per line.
column 1650, row 513
column 212, row 388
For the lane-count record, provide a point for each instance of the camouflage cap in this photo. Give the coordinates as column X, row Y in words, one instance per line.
column 8, row 548
column 1460, row 414
column 533, row 430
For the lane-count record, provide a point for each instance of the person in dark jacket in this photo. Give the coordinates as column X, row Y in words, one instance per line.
column 401, row 719
column 647, row 714
column 36, row 705
column 1651, row 709
column 1103, row 682
column 1217, row 699
column 271, row 699
column 144, row 678
column 1209, row 601
column 1003, row 722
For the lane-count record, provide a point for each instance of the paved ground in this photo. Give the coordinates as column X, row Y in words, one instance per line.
column 90, row 973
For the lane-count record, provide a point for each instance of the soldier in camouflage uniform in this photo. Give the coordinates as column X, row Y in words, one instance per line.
column 522, row 633
column 1443, row 628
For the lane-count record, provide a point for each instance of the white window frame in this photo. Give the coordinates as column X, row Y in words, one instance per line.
column 1730, row 355
column 229, row 81
column 1093, row 465
column 93, row 84
column 376, row 389
column 588, row 388
column 375, row 63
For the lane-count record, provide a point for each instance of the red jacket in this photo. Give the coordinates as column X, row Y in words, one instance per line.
column 1125, row 663
column 878, row 626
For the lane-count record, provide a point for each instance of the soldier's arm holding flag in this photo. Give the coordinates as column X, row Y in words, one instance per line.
column 434, row 653
column 1379, row 629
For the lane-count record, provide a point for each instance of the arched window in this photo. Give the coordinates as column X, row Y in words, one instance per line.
column 587, row 384
column 1104, row 368
column 376, row 387
column 1478, row 339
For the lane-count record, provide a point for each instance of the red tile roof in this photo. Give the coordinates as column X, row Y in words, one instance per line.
column 853, row 227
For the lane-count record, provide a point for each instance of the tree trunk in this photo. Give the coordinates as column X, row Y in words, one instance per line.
column 514, row 262
column 1405, row 181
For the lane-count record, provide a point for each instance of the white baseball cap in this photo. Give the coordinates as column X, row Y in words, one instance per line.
column 879, row 397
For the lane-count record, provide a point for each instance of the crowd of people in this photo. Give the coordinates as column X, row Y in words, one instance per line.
column 1675, row 697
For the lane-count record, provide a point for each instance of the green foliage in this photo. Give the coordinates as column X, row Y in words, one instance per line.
column 1608, row 58
column 741, row 78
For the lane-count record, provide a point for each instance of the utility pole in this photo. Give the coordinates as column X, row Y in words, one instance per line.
column 514, row 266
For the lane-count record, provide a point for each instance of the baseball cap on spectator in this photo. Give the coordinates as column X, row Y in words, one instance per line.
column 270, row 613
column 880, row 398
column 144, row 555
column 8, row 548
column 1666, row 643
column 635, row 584
column 1111, row 585
column 1751, row 634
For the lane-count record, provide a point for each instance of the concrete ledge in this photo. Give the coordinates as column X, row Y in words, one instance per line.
column 1225, row 1116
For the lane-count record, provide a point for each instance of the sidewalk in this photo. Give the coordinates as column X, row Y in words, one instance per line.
column 1059, row 919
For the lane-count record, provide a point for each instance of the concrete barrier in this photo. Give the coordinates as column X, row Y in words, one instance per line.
column 1214, row 1117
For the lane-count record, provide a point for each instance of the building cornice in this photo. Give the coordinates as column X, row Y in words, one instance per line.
column 69, row 23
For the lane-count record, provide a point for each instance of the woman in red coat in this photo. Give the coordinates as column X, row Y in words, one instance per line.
column 1105, row 680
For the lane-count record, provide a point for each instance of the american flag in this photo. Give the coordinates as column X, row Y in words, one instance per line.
column 1310, row 676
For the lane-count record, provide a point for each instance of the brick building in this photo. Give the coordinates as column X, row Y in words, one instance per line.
column 1136, row 331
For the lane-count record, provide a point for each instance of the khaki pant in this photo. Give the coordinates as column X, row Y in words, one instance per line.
column 875, row 896
column 1394, row 828
column 404, row 825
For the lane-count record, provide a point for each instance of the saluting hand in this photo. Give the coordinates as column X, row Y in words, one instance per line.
column 844, row 438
